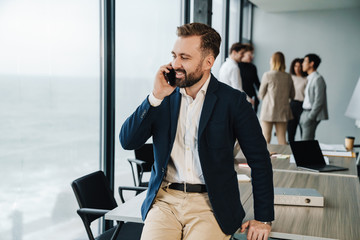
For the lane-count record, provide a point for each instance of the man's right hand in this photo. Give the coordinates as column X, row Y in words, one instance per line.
column 161, row 87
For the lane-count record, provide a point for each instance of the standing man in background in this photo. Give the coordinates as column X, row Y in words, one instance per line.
column 230, row 72
column 249, row 76
column 315, row 101
column 193, row 189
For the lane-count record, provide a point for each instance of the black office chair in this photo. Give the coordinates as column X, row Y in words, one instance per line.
column 95, row 200
column 144, row 159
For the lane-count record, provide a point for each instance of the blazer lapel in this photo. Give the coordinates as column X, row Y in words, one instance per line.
column 209, row 103
column 175, row 101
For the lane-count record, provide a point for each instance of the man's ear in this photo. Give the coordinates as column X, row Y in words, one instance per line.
column 311, row 64
column 209, row 62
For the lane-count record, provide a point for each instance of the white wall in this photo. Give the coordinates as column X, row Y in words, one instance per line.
column 335, row 36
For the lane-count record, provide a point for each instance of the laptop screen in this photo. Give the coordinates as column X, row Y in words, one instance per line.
column 307, row 153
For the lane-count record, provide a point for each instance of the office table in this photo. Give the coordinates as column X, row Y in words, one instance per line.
column 338, row 219
column 285, row 165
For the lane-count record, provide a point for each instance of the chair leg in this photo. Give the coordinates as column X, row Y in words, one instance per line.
column 117, row 230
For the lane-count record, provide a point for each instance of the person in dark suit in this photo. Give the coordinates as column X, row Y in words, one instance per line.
column 249, row 76
column 193, row 189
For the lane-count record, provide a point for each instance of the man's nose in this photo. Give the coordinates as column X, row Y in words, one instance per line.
column 176, row 63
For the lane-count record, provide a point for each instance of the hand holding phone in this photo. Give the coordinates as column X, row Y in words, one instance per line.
column 171, row 77
column 163, row 82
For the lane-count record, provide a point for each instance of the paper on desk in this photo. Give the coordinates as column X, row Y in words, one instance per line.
column 332, row 147
column 243, row 178
column 337, row 154
column 292, row 159
column 280, row 156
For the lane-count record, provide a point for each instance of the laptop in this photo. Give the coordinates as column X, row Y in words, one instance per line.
column 308, row 156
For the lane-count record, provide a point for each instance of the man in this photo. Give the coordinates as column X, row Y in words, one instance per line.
column 250, row 79
column 229, row 72
column 315, row 103
column 193, row 189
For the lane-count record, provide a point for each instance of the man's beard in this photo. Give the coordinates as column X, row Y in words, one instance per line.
column 191, row 79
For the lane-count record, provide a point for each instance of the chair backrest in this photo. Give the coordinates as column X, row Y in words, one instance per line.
column 145, row 153
column 93, row 191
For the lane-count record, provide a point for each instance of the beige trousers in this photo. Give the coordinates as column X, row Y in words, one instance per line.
column 178, row 215
column 280, row 128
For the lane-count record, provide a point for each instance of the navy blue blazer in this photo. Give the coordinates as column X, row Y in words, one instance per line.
column 226, row 116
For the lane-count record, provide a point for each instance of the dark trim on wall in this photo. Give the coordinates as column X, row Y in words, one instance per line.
column 241, row 20
column 109, row 96
column 109, row 90
column 203, row 11
column 251, row 6
column 227, row 27
column 187, row 11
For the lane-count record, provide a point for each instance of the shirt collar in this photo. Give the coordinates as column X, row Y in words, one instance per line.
column 311, row 75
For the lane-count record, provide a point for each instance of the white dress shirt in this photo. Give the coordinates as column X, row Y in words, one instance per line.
column 184, row 165
column 307, row 104
column 229, row 73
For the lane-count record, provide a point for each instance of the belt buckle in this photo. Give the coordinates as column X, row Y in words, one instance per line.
column 185, row 187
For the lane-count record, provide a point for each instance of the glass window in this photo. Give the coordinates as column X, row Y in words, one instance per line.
column 218, row 23
column 49, row 118
column 234, row 21
column 145, row 35
column 247, row 18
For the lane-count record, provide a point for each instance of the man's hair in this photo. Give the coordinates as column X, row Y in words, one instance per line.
column 278, row 62
column 237, row 47
column 314, row 58
column 210, row 39
column 292, row 66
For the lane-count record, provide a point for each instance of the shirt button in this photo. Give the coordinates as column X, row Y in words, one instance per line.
column 188, row 169
column 162, row 169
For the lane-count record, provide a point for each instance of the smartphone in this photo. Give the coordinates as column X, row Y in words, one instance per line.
column 171, row 77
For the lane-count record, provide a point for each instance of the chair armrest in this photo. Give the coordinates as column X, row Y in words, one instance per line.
column 92, row 211
column 137, row 161
column 126, row 188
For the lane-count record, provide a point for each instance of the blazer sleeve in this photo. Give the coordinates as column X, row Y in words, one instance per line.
column 263, row 86
column 319, row 98
column 249, row 135
column 292, row 88
column 136, row 130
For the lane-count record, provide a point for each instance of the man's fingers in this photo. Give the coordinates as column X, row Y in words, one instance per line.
column 244, row 226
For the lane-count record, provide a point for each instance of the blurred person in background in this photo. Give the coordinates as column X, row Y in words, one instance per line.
column 276, row 91
column 315, row 101
column 249, row 76
column 229, row 72
column 299, row 80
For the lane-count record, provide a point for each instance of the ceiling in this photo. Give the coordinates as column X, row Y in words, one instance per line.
column 302, row 5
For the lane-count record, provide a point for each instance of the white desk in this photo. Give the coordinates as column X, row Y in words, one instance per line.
column 130, row 211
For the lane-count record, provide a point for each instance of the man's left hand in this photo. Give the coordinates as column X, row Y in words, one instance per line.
column 256, row 230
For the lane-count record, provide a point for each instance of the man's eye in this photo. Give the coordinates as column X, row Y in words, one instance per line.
column 184, row 58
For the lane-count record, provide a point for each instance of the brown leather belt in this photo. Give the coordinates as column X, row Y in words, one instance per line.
column 191, row 188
